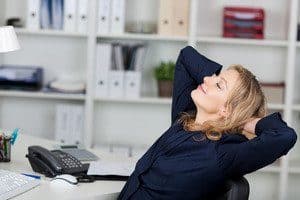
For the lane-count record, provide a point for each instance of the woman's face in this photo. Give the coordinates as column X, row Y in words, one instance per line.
column 213, row 93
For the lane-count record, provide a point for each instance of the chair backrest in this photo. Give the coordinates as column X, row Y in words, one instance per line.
column 239, row 189
column 235, row 189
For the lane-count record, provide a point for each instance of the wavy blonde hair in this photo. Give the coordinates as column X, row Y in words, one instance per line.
column 245, row 101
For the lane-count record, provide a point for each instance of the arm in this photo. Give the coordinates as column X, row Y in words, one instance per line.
column 274, row 139
column 191, row 68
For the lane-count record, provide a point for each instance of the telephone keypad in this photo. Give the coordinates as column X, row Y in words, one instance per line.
column 68, row 161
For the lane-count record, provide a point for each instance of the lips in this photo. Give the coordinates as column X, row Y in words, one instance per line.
column 201, row 88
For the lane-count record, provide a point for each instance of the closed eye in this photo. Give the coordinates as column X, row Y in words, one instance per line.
column 218, row 85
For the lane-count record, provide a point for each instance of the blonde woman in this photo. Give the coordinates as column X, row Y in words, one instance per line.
column 219, row 130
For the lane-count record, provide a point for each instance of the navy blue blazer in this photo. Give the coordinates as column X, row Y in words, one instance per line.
column 178, row 166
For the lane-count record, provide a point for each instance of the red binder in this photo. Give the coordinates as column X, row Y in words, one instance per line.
column 236, row 24
column 243, row 35
column 243, row 22
column 244, row 13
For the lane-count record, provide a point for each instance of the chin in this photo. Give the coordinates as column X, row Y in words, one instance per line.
column 196, row 97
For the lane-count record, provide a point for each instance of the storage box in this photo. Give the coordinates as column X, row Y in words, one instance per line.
column 274, row 92
column 243, row 22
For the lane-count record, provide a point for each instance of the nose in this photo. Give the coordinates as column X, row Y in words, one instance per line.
column 206, row 79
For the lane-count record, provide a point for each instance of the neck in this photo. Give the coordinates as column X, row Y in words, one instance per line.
column 202, row 116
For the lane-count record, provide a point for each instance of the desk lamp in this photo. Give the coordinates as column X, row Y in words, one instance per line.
column 8, row 39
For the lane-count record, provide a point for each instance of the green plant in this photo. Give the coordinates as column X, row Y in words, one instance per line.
column 165, row 71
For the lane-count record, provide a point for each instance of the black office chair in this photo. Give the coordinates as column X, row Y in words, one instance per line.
column 234, row 189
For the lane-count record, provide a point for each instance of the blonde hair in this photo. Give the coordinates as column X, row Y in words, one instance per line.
column 244, row 102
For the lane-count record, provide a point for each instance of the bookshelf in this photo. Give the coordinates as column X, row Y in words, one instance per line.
column 42, row 95
column 236, row 41
column 45, row 32
column 109, row 120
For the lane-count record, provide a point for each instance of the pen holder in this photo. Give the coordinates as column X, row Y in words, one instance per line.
column 5, row 148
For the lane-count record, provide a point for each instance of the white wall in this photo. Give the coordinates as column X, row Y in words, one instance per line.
column 16, row 8
column 2, row 5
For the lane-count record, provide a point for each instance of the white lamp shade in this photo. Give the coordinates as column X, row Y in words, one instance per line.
column 8, row 39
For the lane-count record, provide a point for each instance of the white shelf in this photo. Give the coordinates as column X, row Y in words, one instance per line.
column 271, row 169
column 294, row 170
column 41, row 95
column 147, row 100
column 152, row 37
column 50, row 32
column 275, row 106
column 296, row 107
column 294, row 166
column 159, row 100
column 238, row 41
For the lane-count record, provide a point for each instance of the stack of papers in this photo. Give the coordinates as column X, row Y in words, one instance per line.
column 104, row 167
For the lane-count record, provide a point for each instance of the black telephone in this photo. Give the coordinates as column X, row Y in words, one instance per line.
column 55, row 162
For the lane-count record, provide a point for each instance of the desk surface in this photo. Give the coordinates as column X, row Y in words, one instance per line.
column 96, row 190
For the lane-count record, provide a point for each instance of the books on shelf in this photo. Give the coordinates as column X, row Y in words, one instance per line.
column 45, row 13
column 274, row 92
column 118, row 70
column 243, row 22
column 69, row 120
column 67, row 15
column 33, row 14
column 57, row 14
column 117, row 16
column 103, row 16
column 173, row 17
column 82, row 16
column 70, row 8
column 111, row 16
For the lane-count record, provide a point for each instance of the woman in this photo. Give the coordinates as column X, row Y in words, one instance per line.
column 219, row 131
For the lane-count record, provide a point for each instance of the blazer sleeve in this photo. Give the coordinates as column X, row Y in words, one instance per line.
column 274, row 139
column 191, row 68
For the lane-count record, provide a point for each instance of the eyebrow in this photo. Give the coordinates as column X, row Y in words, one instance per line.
column 224, row 81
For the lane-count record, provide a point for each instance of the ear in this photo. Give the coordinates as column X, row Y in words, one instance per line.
column 223, row 112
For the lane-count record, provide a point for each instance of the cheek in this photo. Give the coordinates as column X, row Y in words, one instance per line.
column 208, row 102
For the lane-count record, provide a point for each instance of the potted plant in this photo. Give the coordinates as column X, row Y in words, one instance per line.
column 164, row 74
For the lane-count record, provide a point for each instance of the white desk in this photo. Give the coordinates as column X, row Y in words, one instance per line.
column 96, row 190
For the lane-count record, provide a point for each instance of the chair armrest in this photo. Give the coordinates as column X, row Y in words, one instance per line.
column 234, row 189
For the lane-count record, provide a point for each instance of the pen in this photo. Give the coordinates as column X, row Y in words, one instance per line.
column 14, row 136
column 32, row 176
column 5, row 147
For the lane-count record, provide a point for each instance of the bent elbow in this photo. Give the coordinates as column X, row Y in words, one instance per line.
column 290, row 140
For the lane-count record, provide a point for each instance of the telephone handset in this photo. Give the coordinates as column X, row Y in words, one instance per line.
column 55, row 162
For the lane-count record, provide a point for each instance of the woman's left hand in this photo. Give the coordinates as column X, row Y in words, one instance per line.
column 249, row 128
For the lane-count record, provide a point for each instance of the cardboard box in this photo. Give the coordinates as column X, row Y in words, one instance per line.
column 274, row 92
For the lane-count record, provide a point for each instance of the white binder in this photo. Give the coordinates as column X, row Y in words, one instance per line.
column 75, row 124
column 132, row 82
column 103, row 19
column 45, row 14
column 166, row 17
column 69, row 123
column 82, row 16
column 57, row 14
column 117, row 16
column 116, row 83
column 61, row 123
column 103, row 64
column 33, row 14
column 70, row 15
